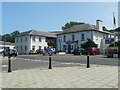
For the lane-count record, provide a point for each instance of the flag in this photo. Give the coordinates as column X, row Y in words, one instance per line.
column 114, row 20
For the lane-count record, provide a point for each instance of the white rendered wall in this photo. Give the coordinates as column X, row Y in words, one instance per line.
column 30, row 43
column 38, row 43
column 23, row 44
column 87, row 35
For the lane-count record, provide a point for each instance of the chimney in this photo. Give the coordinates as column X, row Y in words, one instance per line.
column 99, row 25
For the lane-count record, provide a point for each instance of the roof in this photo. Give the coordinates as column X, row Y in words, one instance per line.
column 39, row 33
column 6, row 43
column 81, row 28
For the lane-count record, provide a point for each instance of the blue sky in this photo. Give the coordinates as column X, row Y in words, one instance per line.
column 51, row 16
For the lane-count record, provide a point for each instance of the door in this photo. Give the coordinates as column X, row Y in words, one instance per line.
column 69, row 48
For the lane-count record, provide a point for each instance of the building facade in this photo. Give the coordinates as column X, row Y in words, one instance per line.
column 73, row 37
column 32, row 40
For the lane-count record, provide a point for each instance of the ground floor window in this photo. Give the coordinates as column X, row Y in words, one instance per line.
column 25, row 48
column 39, row 47
column 71, row 47
column 21, row 48
column 33, row 48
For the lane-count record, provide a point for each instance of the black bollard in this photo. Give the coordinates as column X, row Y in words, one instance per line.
column 50, row 66
column 9, row 64
column 88, row 64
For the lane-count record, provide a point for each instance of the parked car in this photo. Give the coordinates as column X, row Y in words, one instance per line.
column 83, row 51
column 92, row 50
column 77, row 52
column 32, row 52
column 39, row 51
column 11, row 52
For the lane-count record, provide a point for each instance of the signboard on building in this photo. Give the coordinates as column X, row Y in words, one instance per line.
column 110, row 40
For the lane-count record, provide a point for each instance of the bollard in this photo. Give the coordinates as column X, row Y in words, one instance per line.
column 88, row 64
column 9, row 64
column 50, row 66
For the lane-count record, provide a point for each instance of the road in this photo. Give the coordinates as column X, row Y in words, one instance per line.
column 94, row 59
column 69, row 60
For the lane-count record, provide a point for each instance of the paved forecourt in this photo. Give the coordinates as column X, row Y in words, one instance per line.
column 62, row 77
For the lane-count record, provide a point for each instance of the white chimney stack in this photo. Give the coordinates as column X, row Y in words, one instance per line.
column 99, row 25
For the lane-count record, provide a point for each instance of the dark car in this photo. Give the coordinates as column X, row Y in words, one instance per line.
column 8, row 52
column 92, row 50
column 77, row 52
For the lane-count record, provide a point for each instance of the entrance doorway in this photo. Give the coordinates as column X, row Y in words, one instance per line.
column 69, row 49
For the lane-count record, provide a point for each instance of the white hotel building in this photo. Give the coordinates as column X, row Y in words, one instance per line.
column 74, row 36
column 33, row 40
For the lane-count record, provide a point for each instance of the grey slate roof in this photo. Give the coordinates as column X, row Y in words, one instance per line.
column 39, row 33
column 81, row 28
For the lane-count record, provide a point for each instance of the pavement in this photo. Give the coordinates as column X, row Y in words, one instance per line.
column 97, row 76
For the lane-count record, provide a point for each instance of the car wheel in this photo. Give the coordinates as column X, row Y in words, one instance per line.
column 3, row 54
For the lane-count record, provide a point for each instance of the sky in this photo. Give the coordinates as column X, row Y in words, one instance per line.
column 51, row 16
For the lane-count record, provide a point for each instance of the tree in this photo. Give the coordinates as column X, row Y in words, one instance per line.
column 115, row 44
column 70, row 24
column 0, row 38
column 89, row 43
column 10, row 37
column 117, row 29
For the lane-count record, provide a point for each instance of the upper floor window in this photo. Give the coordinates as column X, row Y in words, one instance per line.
column 73, row 37
column 39, row 38
column 103, row 36
column 33, row 48
column 82, row 37
column 21, row 48
column 17, row 39
column 60, row 39
column 33, row 38
column 25, row 38
column 64, row 38
column 25, row 48
column 39, row 47
column 21, row 39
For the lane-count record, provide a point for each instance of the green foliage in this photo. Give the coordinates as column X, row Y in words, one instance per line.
column 52, row 44
column 89, row 43
column 70, row 24
column 0, row 38
column 115, row 44
column 10, row 37
column 115, row 30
